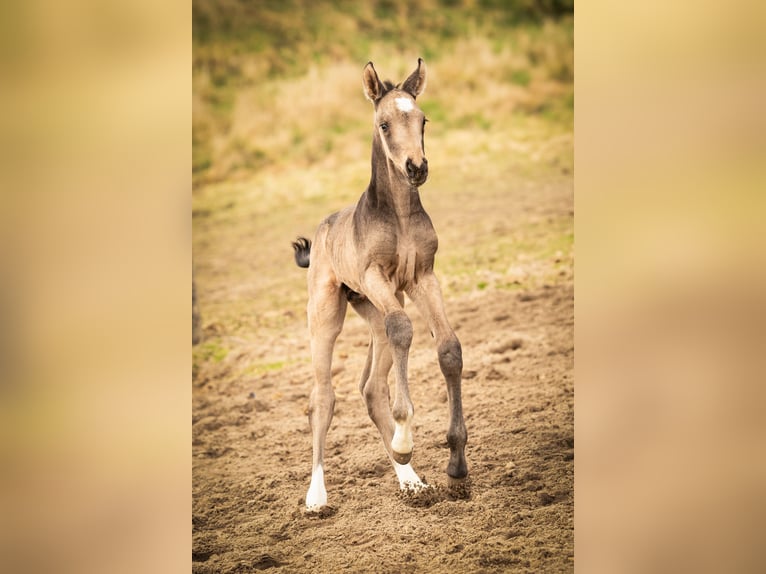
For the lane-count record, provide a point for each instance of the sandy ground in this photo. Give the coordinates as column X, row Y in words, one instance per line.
column 252, row 454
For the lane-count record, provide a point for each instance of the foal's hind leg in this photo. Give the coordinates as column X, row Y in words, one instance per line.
column 326, row 312
column 428, row 298
column 374, row 387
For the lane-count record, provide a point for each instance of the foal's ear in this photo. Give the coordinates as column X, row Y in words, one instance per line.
column 373, row 89
column 416, row 83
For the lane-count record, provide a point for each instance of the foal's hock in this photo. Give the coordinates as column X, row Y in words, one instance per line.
column 371, row 254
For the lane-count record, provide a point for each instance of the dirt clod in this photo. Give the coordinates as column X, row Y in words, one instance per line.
column 545, row 498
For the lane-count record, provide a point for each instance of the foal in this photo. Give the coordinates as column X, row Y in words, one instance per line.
column 369, row 255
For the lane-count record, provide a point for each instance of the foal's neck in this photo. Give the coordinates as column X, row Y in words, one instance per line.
column 389, row 190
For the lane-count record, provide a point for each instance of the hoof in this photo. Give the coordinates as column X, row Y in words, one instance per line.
column 413, row 486
column 453, row 482
column 402, row 458
column 314, row 508
column 422, row 496
column 459, row 487
column 319, row 512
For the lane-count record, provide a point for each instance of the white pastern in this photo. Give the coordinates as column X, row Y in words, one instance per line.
column 316, row 497
column 408, row 479
column 402, row 441
column 405, row 104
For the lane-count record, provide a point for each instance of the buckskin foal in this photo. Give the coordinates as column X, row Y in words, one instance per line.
column 369, row 255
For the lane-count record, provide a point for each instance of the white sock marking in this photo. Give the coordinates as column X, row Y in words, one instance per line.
column 404, row 104
column 316, row 497
column 402, row 441
column 407, row 477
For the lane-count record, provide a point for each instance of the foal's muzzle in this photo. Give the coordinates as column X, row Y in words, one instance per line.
column 417, row 175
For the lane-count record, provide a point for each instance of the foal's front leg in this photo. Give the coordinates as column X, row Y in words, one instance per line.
column 326, row 312
column 428, row 298
column 398, row 332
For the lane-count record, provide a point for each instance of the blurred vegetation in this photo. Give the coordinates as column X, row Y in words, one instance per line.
column 254, row 63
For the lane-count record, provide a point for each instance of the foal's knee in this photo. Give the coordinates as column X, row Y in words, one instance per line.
column 399, row 330
column 451, row 358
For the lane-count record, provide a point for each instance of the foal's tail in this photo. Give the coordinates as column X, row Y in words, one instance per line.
column 302, row 247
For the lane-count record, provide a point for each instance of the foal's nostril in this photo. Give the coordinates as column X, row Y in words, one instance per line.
column 411, row 169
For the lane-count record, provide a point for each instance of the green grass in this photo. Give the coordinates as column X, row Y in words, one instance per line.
column 527, row 256
column 261, row 368
column 210, row 351
column 520, row 77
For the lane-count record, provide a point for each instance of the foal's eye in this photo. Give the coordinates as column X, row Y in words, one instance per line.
column 384, row 127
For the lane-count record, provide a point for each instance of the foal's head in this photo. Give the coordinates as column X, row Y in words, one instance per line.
column 399, row 122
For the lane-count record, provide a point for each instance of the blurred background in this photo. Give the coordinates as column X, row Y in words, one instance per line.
column 96, row 173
